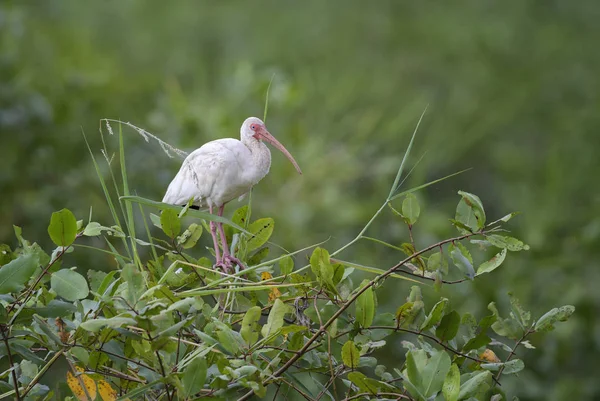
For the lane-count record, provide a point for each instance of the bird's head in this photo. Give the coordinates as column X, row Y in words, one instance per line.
column 253, row 127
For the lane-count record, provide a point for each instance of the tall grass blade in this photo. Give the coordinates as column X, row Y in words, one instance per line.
column 191, row 212
column 406, row 154
column 128, row 207
column 109, row 201
column 426, row 184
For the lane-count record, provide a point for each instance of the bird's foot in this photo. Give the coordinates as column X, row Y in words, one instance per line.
column 223, row 266
column 232, row 260
column 226, row 265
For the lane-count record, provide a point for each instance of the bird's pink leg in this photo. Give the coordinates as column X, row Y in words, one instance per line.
column 213, row 232
column 227, row 258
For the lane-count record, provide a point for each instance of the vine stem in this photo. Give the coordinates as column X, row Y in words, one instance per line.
column 346, row 305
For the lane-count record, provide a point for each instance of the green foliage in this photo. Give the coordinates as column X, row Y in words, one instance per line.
column 185, row 331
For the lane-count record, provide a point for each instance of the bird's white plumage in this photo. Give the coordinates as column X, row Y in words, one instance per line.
column 220, row 171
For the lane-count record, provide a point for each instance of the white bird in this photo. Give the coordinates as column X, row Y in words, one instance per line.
column 221, row 171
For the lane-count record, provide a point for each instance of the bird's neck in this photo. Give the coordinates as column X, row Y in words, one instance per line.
column 261, row 159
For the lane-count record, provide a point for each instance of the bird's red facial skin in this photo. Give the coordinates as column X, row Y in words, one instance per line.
column 258, row 131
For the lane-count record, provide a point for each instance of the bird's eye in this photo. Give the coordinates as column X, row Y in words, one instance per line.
column 253, row 127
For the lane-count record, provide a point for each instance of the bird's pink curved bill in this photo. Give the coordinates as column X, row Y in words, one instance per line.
column 271, row 139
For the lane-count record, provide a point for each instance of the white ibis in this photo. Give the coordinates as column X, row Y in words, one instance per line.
column 221, row 171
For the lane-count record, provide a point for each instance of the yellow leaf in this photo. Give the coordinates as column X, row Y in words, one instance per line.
column 107, row 393
column 489, row 356
column 75, row 385
column 274, row 294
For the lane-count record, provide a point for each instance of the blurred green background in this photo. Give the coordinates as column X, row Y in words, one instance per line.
column 513, row 92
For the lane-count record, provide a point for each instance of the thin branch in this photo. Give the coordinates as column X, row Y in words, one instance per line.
column 345, row 306
column 512, row 352
column 430, row 337
column 397, row 395
column 10, row 361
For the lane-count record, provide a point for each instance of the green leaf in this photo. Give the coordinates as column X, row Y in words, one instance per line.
column 322, row 268
column 506, row 242
column 562, row 314
column 451, row 386
column 362, row 382
column 261, row 231
column 492, row 264
column 510, row 367
column 477, row 342
column 411, row 209
column 504, row 219
column 505, row 327
column 520, row 314
column 365, row 307
column 437, row 261
column 170, row 223
column 249, row 328
column 350, row 355
column 286, row 265
column 69, row 285
column 415, row 361
column 94, row 229
column 95, row 325
column 16, row 273
column 448, row 327
column 472, row 386
column 190, row 237
column 435, row 315
column 465, row 219
column 462, row 259
column 275, row 319
column 194, row 376
column 474, row 203
column 63, row 227
column 135, row 283
column 434, row 373
column 462, row 227
column 403, row 312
